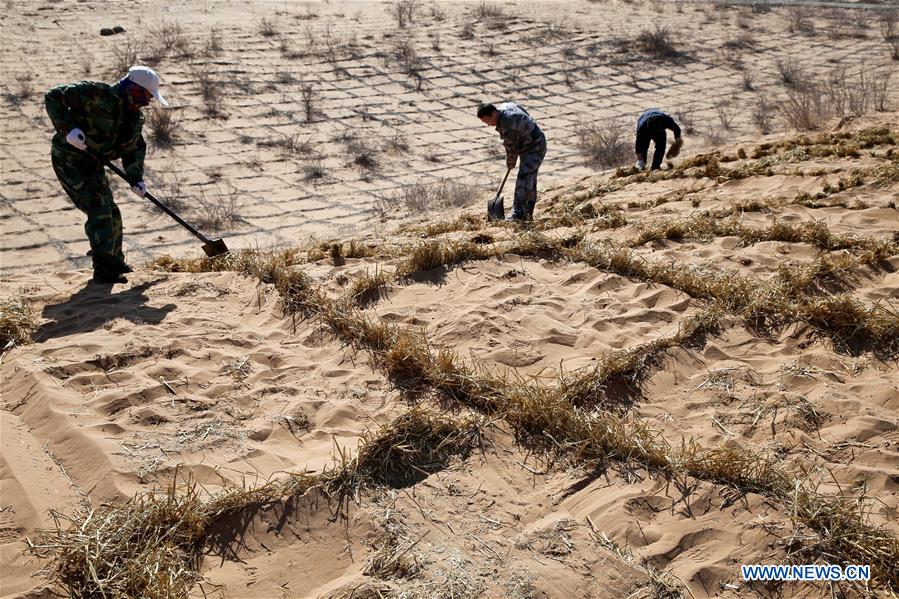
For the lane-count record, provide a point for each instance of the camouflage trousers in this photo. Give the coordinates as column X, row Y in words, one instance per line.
column 526, row 183
column 84, row 179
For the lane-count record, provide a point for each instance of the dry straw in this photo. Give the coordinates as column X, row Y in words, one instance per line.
column 148, row 546
column 17, row 322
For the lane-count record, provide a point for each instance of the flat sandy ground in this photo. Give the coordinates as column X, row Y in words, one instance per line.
column 209, row 375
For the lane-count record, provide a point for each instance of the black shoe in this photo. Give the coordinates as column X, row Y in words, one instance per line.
column 124, row 268
column 108, row 278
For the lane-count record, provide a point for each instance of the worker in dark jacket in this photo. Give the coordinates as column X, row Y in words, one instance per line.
column 652, row 126
column 523, row 140
column 94, row 119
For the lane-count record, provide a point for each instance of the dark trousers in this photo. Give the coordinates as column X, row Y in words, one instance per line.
column 653, row 130
column 84, row 180
column 526, row 183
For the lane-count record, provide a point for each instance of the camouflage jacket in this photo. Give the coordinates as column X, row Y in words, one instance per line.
column 111, row 129
column 518, row 130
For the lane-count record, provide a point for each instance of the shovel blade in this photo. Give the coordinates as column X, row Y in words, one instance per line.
column 215, row 247
column 495, row 209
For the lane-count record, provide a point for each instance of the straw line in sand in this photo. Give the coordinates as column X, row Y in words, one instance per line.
column 545, row 419
column 148, row 545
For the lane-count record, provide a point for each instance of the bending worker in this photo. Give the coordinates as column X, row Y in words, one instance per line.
column 92, row 120
column 652, row 126
column 523, row 139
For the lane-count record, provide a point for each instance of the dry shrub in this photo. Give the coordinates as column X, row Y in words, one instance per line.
column 488, row 10
column 170, row 37
column 799, row 20
column 213, row 46
column 124, row 56
column 657, row 43
column 405, row 53
column 22, row 90
column 421, row 197
column 747, row 81
column 212, row 89
column 404, row 12
column 17, row 322
column 363, row 153
column 763, row 115
column 856, row 94
column 314, row 167
column 727, row 111
column 310, row 101
column 686, row 116
column 805, row 107
column 164, row 125
column 218, row 210
column 267, row 27
column 790, row 71
column 605, row 144
column 289, row 145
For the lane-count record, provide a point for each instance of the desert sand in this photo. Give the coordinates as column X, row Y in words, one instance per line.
column 663, row 377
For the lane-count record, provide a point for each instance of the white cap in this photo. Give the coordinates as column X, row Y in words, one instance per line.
column 147, row 79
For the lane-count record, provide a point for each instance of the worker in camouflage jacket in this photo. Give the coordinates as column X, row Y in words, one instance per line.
column 94, row 120
column 524, row 141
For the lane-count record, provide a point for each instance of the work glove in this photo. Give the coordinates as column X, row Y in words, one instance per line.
column 139, row 189
column 76, row 138
column 674, row 150
column 510, row 162
column 641, row 164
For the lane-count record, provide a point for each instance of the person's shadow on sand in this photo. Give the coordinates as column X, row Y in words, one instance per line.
column 94, row 305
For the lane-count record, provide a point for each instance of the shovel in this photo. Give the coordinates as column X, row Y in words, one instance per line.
column 495, row 208
column 212, row 247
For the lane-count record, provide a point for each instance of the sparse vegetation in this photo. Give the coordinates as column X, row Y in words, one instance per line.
column 657, row 43
column 363, row 153
column 799, row 20
column 404, row 11
column 763, row 115
column 314, row 168
column 214, row 45
column 217, row 210
column 790, row 71
column 727, row 111
column 804, row 108
column 124, row 56
column 267, row 27
column 686, row 116
column 420, row 198
column 605, row 144
column 212, row 90
column 407, row 56
column 164, row 125
column 310, row 101
column 22, row 89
